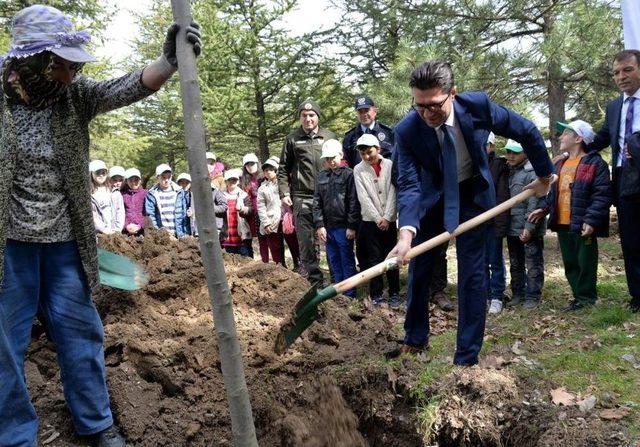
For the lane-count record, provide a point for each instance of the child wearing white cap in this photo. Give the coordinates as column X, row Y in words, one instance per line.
column 165, row 204
column 250, row 182
column 579, row 204
column 133, row 195
column 107, row 205
column 116, row 177
column 377, row 234
column 336, row 212
column 239, row 211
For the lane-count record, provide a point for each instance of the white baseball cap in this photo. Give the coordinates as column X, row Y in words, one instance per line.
column 183, row 176
column 582, row 128
column 367, row 140
column 132, row 172
column 270, row 162
column 276, row 159
column 232, row 173
column 97, row 165
column 250, row 158
column 160, row 169
column 211, row 156
column 116, row 170
column 491, row 139
column 331, row 149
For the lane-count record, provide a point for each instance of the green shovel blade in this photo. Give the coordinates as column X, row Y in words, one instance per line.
column 120, row 272
column 305, row 313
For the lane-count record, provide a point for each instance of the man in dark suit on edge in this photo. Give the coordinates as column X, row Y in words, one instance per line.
column 443, row 180
column 622, row 119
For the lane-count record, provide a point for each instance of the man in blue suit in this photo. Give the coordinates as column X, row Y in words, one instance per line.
column 443, row 180
column 621, row 121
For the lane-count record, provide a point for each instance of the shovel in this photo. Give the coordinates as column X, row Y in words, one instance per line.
column 120, row 272
column 306, row 310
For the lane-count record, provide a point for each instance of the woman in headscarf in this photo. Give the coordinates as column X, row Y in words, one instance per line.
column 47, row 238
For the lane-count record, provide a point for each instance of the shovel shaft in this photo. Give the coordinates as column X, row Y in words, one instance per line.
column 392, row 263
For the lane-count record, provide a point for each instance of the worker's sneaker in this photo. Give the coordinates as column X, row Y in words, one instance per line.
column 110, row 437
column 495, row 307
column 441, row 300
column 377, row 300
column 394, row 301
column 531, row 304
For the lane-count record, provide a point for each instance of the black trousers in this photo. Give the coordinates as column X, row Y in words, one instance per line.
column 374, row 246
column 628, row 219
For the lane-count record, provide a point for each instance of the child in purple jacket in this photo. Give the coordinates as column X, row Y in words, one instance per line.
column 133, row 196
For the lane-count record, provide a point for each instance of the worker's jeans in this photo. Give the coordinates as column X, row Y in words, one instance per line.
column 50, row 278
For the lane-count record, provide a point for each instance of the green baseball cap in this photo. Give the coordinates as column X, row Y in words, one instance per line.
column 513, row 146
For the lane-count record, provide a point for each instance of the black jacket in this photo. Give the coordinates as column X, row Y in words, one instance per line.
column 383, row 133
column 500, row 174
column 591, row 196
column 335, row 204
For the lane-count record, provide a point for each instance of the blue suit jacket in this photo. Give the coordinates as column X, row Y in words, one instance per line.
column 608, row 134
column 419, row 155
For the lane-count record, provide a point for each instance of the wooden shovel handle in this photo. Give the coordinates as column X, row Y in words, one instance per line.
column 392, row 263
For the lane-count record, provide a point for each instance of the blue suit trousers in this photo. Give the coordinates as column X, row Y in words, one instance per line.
column 472, row 281
column 50, row 278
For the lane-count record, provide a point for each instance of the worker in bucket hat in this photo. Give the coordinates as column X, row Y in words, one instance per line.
column 47, row 106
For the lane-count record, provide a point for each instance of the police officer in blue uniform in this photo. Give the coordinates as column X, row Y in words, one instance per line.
column 366, row 112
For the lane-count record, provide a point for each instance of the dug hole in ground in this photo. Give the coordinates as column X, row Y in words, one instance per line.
column 333, row 388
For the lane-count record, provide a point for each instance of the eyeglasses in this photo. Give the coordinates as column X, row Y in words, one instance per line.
column 433, row 107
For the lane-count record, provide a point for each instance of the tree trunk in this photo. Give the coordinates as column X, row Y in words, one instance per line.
column 263, row 142
column 556, row 94
column 244, row 433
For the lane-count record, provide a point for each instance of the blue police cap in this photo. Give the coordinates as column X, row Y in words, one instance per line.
column 363, row 102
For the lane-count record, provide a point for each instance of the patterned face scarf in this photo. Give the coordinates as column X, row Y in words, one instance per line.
column 29, row 81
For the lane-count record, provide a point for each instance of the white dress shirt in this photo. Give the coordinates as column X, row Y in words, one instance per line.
column 463, row 158
column 623, row 124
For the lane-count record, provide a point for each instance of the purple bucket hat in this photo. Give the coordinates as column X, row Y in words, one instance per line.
column 41, row 28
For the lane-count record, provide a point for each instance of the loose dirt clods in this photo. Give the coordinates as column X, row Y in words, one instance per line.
column 163, row 366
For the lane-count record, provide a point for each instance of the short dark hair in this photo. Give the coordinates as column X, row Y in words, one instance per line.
column 430, row 74
column 626, row 54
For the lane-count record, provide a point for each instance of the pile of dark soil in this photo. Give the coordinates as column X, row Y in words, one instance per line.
column 330, row 389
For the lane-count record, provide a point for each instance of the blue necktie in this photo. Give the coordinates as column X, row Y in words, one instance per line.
column 450, row 182
column 628, row 126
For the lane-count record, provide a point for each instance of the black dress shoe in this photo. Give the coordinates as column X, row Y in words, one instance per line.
column 634, row 305
column 110, row 437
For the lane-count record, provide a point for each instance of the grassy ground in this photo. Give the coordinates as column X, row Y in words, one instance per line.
column 581, row 351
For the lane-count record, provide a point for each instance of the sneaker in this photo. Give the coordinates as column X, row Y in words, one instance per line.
column 495, row 307
column 377, row 300
column 530, row 304
column 394, row 301
column 634, row 305
column 515, row 301
column 110, row 437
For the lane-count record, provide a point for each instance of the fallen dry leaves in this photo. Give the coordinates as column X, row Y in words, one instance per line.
column 560, row 396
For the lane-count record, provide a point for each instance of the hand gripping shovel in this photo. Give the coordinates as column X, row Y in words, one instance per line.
column 306, row 310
